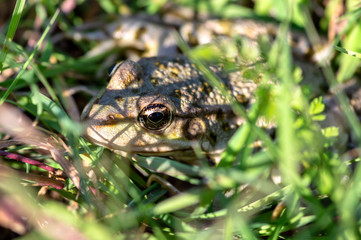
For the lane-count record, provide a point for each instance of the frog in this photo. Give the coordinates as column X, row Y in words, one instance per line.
column 164, row 106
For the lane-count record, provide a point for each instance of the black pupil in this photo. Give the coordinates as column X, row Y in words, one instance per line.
column 155, row 117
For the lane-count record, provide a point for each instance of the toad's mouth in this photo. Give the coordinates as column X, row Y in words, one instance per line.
column 177, row 149
column 139, row 145
column 151, row 149
column 185, row 155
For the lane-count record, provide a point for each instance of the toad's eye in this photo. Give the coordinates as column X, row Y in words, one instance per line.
column 155, row 117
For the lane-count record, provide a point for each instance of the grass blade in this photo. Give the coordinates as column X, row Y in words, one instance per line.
column 28, row 61
column 19, row 7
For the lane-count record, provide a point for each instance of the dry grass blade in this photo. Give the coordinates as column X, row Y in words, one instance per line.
column 19, row 212
column 20, row 127
column 16, row 124
column 8, row 143
column 67, row 166
column 10, row 216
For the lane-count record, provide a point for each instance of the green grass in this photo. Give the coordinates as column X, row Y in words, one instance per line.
column 106, row 196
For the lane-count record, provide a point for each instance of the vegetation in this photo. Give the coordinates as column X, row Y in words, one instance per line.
column 54, row 184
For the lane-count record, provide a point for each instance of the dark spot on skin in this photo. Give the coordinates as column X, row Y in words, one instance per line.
column 220, row 115
column 176, row 93
column 154, row 81
column 134, row 90
column 173, row 75
column 256, row 149
column 212, row 138
column 272, row 133
column 242, row 99
column 119, row 99
column 160, row 66
column 225, row 126
column 205, row 87
column 174, row 72
column 211, row 162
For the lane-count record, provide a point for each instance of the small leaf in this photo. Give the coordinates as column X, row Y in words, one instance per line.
column 297, row 74
column 316, row 106
column 319, row 117
column 330, row 132
column 325, row 181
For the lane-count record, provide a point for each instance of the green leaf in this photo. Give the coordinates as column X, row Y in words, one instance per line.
column 28, row 61
column 67, row 125
column 316, row 106
column 349, row 63
column 330, row 132
column 326, row 181
column 177, row 202
column 12, row 29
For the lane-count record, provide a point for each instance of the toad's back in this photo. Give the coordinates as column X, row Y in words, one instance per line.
column 165, row 107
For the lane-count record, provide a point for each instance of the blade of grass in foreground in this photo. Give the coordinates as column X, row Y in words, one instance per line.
column 288, row 144
column 348, row 199
column 28, row 61
column 19, row 7
column 67, row 126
